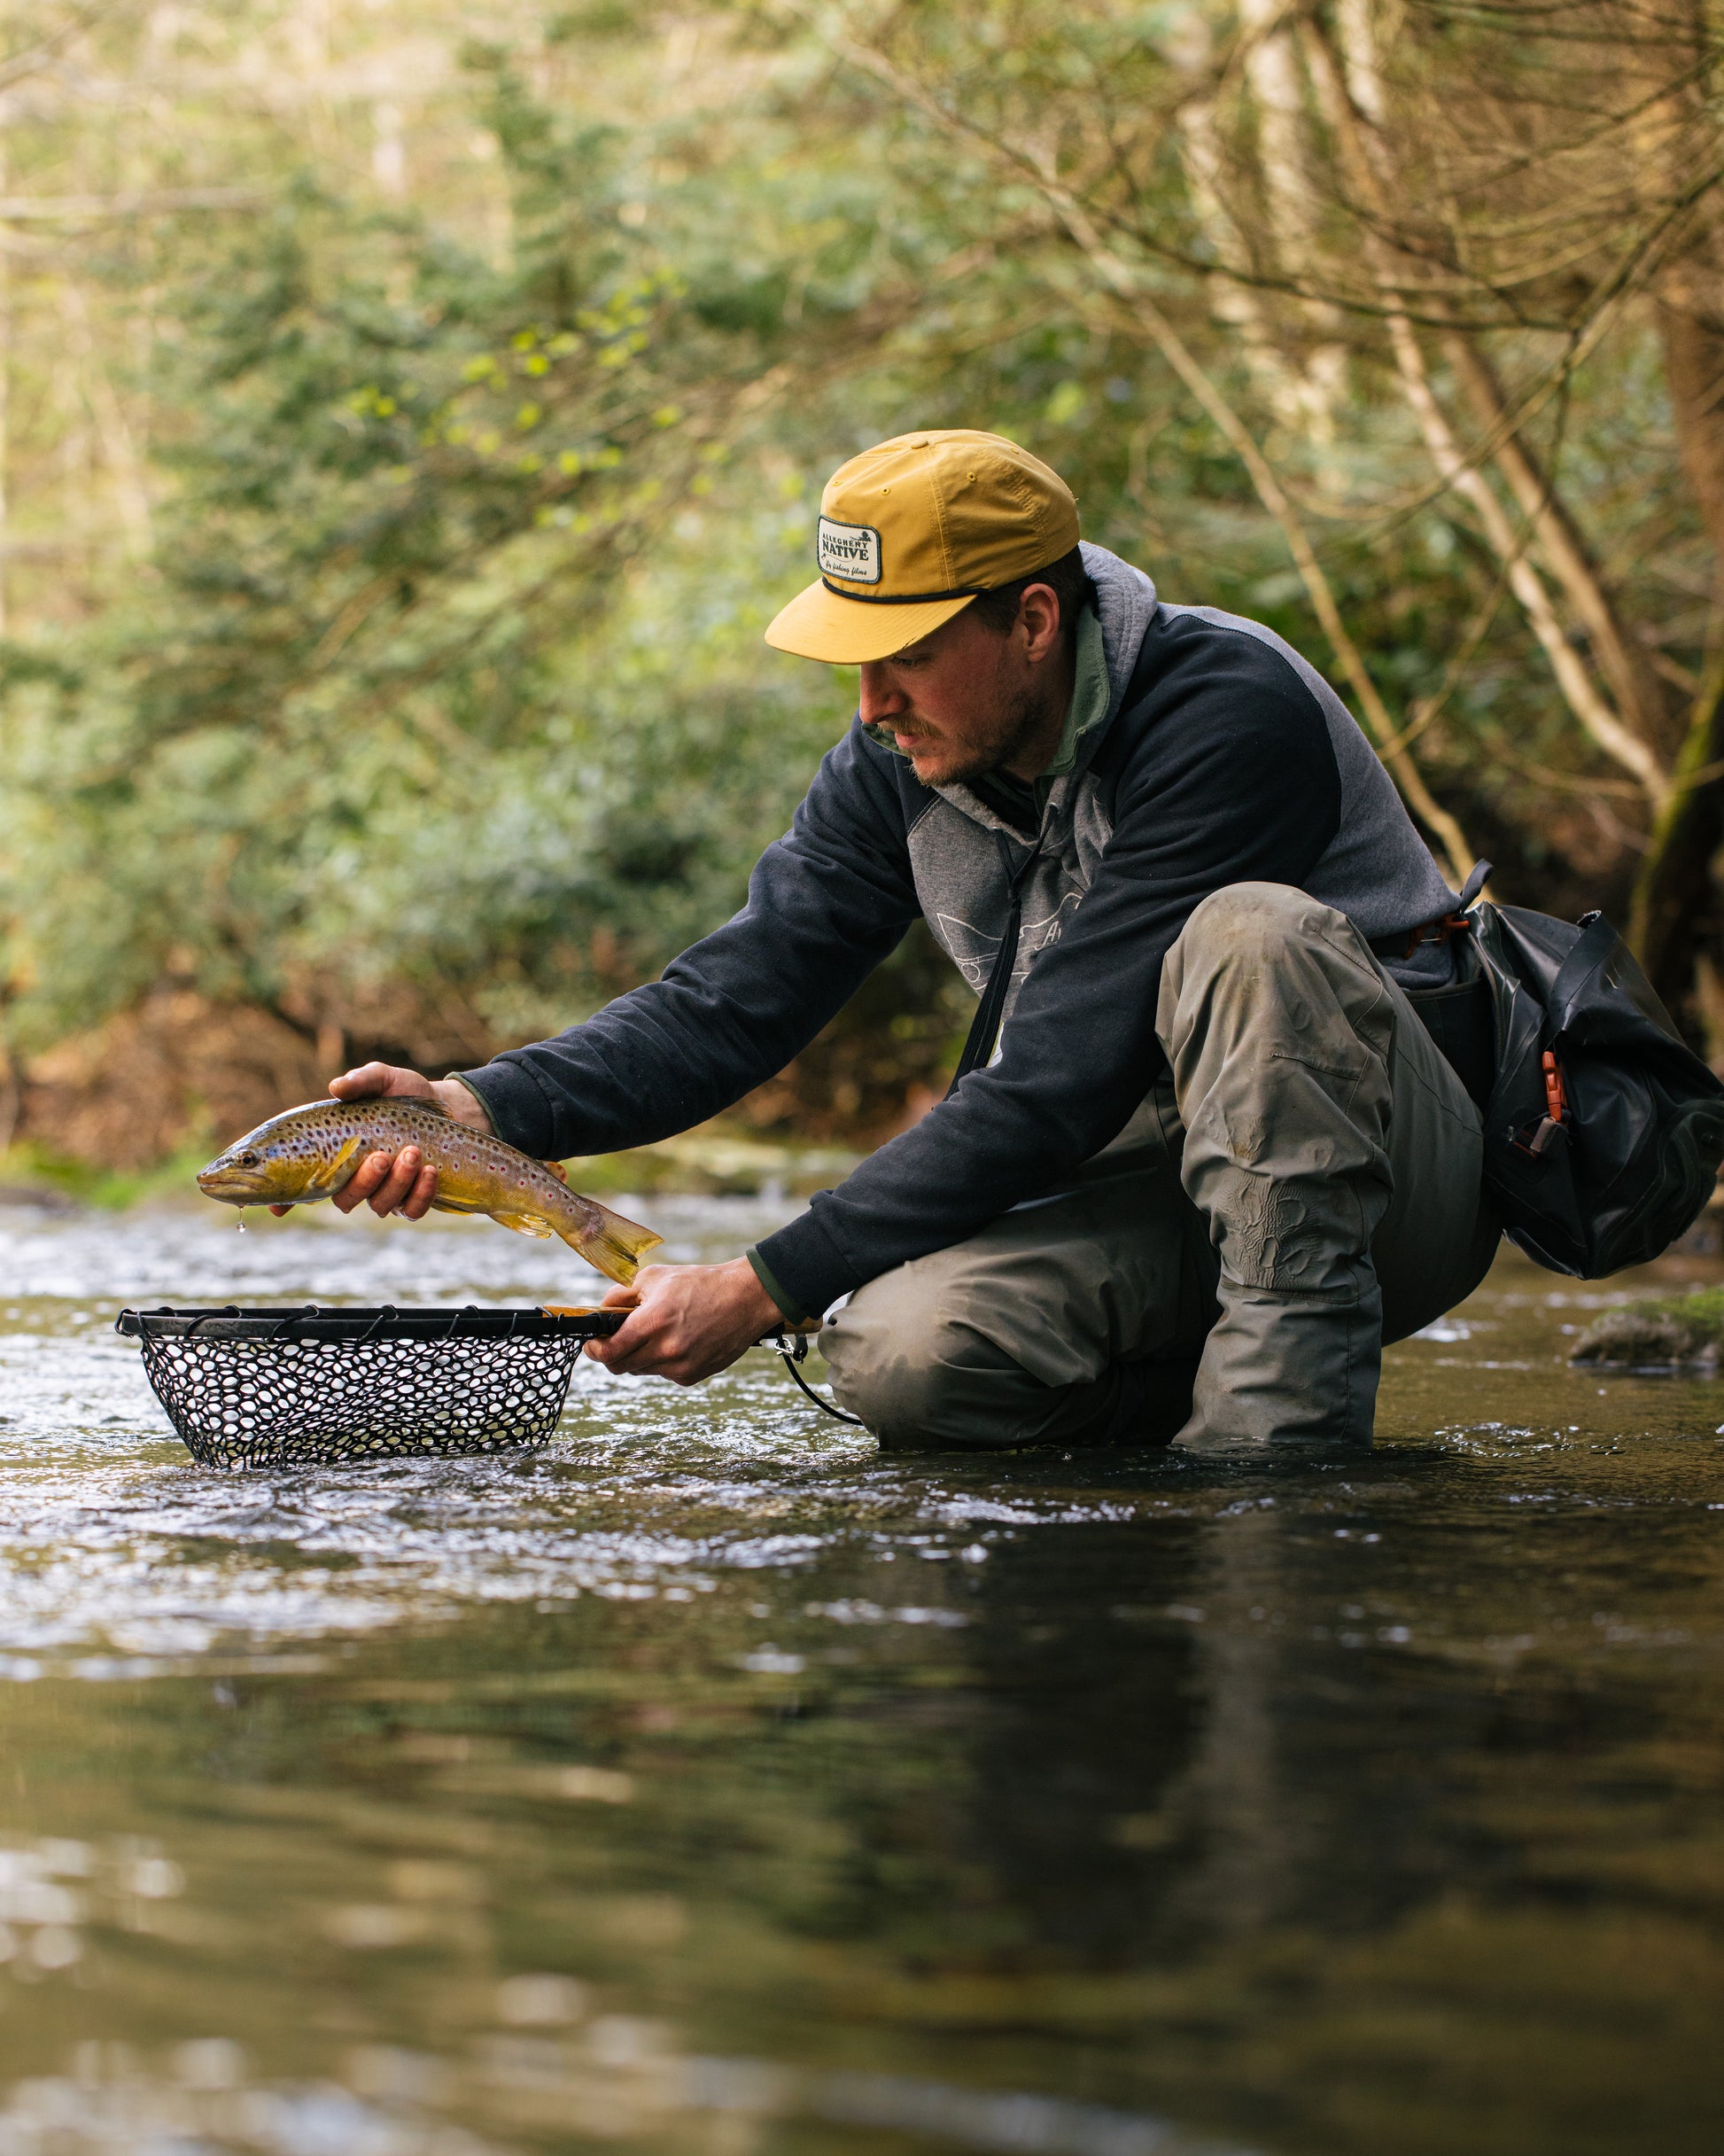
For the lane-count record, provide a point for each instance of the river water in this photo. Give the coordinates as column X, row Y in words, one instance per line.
column 707, row 1783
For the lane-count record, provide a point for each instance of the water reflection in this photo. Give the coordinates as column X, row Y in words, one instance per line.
column 708, row 1781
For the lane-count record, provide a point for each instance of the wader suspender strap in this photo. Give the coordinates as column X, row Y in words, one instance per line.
column 979, row 1048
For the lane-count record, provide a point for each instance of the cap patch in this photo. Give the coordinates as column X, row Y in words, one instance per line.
column 849, row 550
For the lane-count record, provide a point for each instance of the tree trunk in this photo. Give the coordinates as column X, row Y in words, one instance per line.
column 1671, row 922
column 1691, row 320
column 1675, row 923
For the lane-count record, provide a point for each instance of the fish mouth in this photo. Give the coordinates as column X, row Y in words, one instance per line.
column 237, row 1186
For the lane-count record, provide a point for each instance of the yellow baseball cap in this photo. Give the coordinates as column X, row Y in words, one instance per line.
column 912, row 531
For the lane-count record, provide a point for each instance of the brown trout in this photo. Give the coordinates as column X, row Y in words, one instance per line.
column 309, row 1153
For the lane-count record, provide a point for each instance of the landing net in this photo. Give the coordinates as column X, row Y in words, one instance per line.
column 275, row 1388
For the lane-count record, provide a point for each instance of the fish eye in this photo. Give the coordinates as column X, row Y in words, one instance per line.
column 248, row 1160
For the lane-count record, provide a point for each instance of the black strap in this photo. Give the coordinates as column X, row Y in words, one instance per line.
column 985, row 1031
column 791, row 1353
column 1597, row 941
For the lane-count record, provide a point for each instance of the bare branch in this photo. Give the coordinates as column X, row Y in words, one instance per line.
column 1579, row 692
column 1123, row 279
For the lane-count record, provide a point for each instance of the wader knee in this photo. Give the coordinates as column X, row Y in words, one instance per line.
column 949, row 1389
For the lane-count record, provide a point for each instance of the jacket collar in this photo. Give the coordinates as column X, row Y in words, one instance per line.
column 1126, row 602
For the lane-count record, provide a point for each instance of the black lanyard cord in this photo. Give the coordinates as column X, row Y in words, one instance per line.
column 984, row 1032
column 977, row 1050
column 790, row 1356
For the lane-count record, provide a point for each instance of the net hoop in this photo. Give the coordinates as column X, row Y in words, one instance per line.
column 306, row 1386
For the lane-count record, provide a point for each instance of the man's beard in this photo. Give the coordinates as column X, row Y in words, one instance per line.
column 1023, row 715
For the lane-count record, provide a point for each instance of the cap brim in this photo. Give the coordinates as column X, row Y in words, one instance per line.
column 819, row 623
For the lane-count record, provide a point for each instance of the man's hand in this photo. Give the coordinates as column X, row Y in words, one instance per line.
column 689, row 1322
column 398, row 1182
column 390, row 1082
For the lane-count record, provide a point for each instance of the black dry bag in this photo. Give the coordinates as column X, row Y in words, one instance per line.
column 1603, row 1132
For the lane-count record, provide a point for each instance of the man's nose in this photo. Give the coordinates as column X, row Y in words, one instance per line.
column 881, row 698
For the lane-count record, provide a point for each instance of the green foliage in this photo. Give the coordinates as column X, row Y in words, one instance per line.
column 41, row 1176
column 397, row 706
column 445, row 680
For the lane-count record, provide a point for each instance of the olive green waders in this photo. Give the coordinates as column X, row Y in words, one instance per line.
column 1303, row 1185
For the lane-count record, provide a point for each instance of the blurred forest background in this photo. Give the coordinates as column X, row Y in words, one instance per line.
column 411, row 410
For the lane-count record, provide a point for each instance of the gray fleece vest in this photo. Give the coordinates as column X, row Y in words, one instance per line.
column 1375, row 870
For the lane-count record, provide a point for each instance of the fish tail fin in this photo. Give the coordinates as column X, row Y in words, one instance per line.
column 614, row 1245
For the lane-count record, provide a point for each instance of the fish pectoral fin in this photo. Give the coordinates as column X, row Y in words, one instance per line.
column 330, row 1175
column 527, row 1224
column 440, row 1205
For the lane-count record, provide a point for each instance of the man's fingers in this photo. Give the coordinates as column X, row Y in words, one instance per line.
column 364, row 1082
column 631, row 1297
column 635, row 1334
column 389, row 1182
column 367, row 1081
column 655, row 1347
column 687, row 1322
column 396, row 1186
column 649, row 1341
column 418, row 1201
column 364, row 1179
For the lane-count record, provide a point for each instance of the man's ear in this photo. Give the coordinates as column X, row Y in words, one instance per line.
column 1038, row 617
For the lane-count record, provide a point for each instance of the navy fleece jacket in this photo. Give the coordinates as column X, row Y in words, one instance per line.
column 1227, row 760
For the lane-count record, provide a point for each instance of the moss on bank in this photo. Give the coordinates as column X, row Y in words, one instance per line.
column 1680, row 1331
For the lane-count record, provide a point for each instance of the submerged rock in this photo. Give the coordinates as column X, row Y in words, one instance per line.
column 1684, row 1334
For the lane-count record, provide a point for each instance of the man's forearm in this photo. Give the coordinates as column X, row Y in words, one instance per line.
column 727, row 1016
column 463, row 1100
column 603, row 1087
column 826, row 904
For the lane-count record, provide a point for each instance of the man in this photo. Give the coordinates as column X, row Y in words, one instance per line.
column 1207, row 1158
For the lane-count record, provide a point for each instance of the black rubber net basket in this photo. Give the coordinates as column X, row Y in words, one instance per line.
column 275, row 1388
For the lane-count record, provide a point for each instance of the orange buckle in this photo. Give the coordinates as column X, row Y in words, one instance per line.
column 1556, row 1094
column 1438, row 932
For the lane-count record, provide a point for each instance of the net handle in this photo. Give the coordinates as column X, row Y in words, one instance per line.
column 279, row 1324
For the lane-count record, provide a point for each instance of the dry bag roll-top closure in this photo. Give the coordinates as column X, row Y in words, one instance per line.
column 1603, row 1130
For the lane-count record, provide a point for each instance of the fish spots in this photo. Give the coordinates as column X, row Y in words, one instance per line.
column 310, row 1153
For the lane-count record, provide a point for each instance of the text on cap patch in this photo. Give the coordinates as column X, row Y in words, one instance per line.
column 849, row 550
